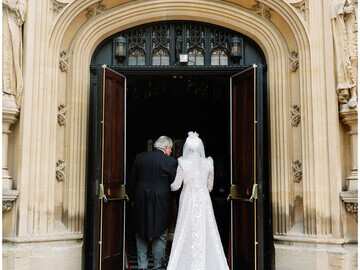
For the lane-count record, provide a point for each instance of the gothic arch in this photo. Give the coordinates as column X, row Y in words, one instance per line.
column 235, row 17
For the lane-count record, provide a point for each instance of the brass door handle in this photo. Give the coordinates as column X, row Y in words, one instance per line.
column 235, row 194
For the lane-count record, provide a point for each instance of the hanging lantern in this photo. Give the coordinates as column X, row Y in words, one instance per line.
column 120, row 48
column 236, row 47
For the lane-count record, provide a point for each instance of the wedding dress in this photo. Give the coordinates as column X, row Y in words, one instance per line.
column 196, row 244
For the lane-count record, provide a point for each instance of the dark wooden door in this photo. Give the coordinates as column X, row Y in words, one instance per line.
column 106, row 206
column 247, row 167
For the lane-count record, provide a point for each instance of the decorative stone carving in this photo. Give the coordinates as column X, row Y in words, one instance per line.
column 295, row 115
column 350, row 200
column 13, row 13
column 60, row 170
column 64, row 61
column 8, row 198
column 351, row 207
column 297, row 171
column 302, row 6
column 62, row 109
column 344, row 27
column 57, row 6
column 294, row 61
column 262, row 9
column 94, row 10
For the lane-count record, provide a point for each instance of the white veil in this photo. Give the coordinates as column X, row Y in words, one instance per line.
column 193, row 146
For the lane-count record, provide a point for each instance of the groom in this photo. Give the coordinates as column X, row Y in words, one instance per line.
column 149, row 187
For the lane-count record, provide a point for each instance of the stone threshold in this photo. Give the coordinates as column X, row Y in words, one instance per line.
column 314, row 240
column 44, row 238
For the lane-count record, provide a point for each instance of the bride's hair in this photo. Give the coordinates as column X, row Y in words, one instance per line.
column 193, row 146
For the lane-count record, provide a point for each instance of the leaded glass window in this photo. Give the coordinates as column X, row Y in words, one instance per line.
column 196, row 57
column 136, row 40
column 160, row 57
column 219, row 57
column 162, row 43
column 136, row 57
column 195, row 43
column 160, row 39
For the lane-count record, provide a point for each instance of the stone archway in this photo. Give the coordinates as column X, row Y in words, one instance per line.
column 65, row 48
column 227, row 15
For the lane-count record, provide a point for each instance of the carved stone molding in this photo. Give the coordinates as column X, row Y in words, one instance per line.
column 350, row 200
column 302, row 7
column 57, row 6
column 60, row 170
column 297, row 171
column 262, row 9
column 294, row 61
column 64, row 61
column 295, row 115
column 8, row 198
column 94, row 10
column 62, row 109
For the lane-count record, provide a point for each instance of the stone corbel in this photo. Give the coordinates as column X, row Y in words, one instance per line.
column 350, row 200
column 8, row 199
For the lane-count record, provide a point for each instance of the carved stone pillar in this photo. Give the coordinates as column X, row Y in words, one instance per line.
column 350, row 196
column 350, row 118
column 9, row 116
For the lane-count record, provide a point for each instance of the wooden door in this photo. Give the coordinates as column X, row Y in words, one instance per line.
column 105, row 235
column 247, row 167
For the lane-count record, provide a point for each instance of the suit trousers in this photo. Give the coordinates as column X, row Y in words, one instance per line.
column 158, row 251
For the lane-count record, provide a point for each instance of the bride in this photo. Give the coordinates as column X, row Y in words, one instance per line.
column 197, row 244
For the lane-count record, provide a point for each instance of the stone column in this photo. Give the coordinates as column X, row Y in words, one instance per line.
column 350, row 195
column 350, row 118
column 9, row 116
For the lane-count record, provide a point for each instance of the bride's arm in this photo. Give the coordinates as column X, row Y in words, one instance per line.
column 210, row 183
column 178, row 179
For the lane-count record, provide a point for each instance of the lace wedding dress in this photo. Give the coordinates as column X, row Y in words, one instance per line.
column 197, row 244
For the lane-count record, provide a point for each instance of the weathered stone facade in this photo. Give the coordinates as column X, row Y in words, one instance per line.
column 311, row 52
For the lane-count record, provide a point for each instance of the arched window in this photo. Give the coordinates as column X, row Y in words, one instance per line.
column 219, row 57
column 136, row 57
column 160, row 57
column 196, row 56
